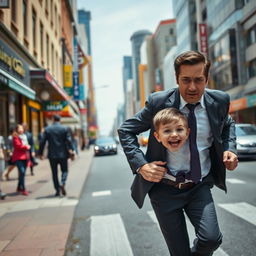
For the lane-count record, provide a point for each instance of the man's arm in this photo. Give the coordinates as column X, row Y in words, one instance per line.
column 128, row 132
column 229, row 143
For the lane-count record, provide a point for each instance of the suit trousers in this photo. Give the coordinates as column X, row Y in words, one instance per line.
column 170, row 204
column 63, row 162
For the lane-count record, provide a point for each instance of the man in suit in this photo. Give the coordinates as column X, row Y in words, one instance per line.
column 173, row 194
column 59, row 149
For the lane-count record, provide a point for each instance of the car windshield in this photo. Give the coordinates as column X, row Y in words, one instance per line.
column 105, row 140
column 245, row 130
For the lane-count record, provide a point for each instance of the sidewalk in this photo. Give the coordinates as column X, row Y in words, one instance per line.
column 39, row 224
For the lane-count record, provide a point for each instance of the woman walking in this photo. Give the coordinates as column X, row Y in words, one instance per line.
column 21, row 156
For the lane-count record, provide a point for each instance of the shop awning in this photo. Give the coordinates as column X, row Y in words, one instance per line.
column 42, row 80
column 18, row 86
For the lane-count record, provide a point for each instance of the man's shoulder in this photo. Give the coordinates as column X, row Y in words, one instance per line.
column 218, row 95
column 163, row 94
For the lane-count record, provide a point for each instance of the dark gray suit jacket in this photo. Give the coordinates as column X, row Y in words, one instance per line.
column 59, row 141
column 222, row 127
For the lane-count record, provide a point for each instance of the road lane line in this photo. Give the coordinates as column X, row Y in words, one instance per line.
column 190, row 228
column 102, row 193
column 243, row 210
column 108, row 236
column 236, row 181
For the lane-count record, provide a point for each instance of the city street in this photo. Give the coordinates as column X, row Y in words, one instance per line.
column 107, row 222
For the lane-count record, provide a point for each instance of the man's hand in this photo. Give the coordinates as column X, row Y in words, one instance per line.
column 230, row 160
column 153, row 171
column 33, row 154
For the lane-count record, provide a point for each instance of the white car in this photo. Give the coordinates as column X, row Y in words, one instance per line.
column 246, row 140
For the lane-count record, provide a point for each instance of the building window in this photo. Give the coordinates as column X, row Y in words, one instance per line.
column 171, row 31
column 51, row 12
column 14, row 10
column 47, row 51
column 52, row 59
column 251, row 36
column 46, row 7
column 25, row 13
column 252, row 68
column 42, row 40
column 34, row 28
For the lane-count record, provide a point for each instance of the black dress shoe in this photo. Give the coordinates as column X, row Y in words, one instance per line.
column 63, row 191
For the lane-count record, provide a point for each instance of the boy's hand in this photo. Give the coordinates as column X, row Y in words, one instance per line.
column 153, row 171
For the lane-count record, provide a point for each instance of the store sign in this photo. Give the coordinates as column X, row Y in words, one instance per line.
column 203, row 38
column 76, row 90
column 68, row 79
column 13, row 64
column 61, row 108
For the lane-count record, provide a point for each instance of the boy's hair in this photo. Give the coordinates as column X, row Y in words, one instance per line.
column 168, row 115
column 192, row 58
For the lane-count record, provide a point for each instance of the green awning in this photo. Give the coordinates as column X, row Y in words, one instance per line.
column 19, row 86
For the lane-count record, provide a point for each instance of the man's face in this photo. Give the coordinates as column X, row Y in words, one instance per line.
column 192, row 82
column 172, row 135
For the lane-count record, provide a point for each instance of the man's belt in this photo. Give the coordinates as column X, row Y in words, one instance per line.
column 180, row 185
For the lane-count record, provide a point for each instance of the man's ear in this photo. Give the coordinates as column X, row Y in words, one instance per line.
column 157, row 136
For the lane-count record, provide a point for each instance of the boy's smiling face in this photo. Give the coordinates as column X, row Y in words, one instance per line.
column 172, row 135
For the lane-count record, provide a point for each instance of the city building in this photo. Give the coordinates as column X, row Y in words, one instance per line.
column 137, row 39
column 127, row 75
column 186, row 24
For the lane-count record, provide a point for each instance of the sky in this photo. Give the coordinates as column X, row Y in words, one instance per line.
column 112, row 24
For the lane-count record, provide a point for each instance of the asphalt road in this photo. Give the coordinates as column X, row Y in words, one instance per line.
column 108, row 223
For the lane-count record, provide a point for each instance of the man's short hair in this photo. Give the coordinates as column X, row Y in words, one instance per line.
column 168, row 115
column 192, row 58
column 56, row 118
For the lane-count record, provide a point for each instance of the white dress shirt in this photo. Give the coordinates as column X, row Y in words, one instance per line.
column 180, row 161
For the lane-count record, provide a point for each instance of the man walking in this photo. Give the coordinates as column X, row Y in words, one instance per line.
column 59, row 149
column 192, row 171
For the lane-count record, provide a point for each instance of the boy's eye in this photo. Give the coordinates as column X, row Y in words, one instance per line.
column 180, row 130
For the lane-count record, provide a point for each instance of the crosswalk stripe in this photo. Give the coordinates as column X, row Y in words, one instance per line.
column 243, row 210
column 236, row 181
column 218, row 252
column 102, row 193
column 108, row 236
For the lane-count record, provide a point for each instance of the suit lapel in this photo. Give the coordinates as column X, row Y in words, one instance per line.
column 174, row 100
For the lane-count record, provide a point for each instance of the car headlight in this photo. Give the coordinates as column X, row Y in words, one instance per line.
column 114, row 145
column 96, row 148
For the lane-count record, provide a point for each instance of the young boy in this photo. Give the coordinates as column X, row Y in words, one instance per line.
column 171, row 129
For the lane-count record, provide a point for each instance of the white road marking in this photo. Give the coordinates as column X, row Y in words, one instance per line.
column 102, row 193
column 236, row 181
column 243, row 210
column 190, row 228
column 108, row 236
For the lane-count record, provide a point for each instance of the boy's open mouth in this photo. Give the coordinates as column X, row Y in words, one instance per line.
column 174, row 143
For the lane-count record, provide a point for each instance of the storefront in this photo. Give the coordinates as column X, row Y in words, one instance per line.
column 54, row 98
column 14, row 88
column 243, row 110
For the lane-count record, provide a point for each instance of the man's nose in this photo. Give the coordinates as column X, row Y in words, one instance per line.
column 192, row 86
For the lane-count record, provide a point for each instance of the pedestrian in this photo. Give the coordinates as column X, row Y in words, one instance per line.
column 32, row 154
column 20, row 156
column 2, row 164
column 212, row 150
column 59, row 148
column 9, row 150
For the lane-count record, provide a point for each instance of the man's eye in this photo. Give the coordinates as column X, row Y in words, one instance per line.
column 186, row 80
column 199, row 80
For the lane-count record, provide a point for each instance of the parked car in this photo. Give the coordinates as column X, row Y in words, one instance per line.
column 143, row 138
column 246, row 140
column 105, row 146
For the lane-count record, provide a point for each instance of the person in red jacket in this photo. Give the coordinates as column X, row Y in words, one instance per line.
column 21, row 156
